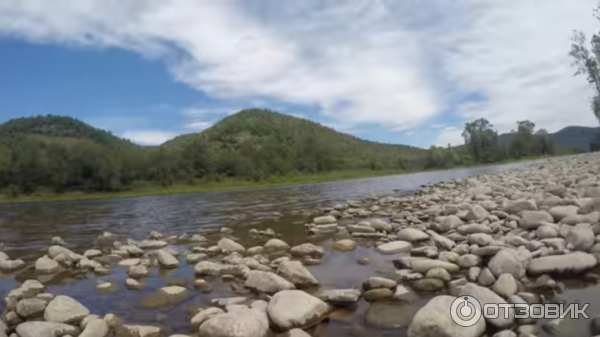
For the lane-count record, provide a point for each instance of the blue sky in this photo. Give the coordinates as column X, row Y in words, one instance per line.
column 390, row 71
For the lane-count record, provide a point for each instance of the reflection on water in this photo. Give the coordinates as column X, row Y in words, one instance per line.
column 27, row 229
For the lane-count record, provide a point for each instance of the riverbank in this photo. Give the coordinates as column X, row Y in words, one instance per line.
column 372, row 267
column 231, row 184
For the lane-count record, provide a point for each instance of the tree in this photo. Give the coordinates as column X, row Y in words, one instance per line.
column 586, row 61
column 481, row 140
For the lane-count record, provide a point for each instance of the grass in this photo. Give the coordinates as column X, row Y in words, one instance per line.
column 225, row 185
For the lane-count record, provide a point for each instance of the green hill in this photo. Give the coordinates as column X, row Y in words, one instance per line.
column 272, row 143
column 570, row 136
column 58, row 127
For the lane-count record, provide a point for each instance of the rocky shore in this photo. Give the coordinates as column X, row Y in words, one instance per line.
column 510, row 237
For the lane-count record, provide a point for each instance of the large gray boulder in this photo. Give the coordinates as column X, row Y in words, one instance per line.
column 31, row 307
column 267, row 282
column 238, row 323
column 562, row 264
column 64, row 309
column 46, row 329
column 484, row 296
column 291, row 309
column 434, row 320
column 295, row 272
column 511, row 261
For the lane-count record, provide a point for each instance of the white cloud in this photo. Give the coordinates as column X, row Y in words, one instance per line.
column 198, row 126
column 450, row 135
column 148, row 137
column 394, row 63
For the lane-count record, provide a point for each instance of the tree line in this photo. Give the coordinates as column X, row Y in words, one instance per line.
column 59, row 154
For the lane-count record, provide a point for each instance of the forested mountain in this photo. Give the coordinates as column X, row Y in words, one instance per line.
column 61, row 154
column 570, row 136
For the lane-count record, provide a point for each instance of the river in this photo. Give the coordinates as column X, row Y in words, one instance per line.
column 26, row 231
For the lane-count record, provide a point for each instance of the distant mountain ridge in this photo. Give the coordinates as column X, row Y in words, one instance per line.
column 570, row 136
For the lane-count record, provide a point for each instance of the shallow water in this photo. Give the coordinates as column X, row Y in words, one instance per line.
column 27, row 229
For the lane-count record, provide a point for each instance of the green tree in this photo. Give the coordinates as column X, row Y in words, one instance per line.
column 481, row 140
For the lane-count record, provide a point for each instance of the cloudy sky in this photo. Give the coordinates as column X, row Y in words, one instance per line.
column 395, row 71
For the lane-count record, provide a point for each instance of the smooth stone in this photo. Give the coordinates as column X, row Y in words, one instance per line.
column 138, row 271
column 167, row 260
column 133, row 284
column 289, row 309
column 428, row 284
column 505, row 285
column 307, row 249
column 394, row 247
column 560, row 264
column 165, row 297
column 324, row 220
column 534, row 219
column 203, row 316
column 229, row 246
column 389, row 314
column 31, row 307
column 434, row 320
column 512, row 261
column 153, row 244
column 45, row 265
column 340, row 297
column 378, row 282
column 267, row 282
column 424, row 265
column 485, row 296
column 276, row 244
column 64, row 309
column 411, row 235
column 439, row 273
column 580, row 238
column 486, row 278
column 297, row 274
column 45, row 329
column 377, row 294
column 345, row 245
column 95, row 328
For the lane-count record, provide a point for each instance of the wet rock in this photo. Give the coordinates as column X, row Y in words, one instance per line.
column 307, row 249
column 164, row 297
column 434, row 320
column 290, row 309
column 380, row 225
column 11, row 265
column 133, row 284
column 324, row 220
column 267, row 282
column 64, row 309
column 378, row 282
column 45, row 265
column 92, row 253
column 31, row 307
column 512, row 261
column 95, row 328
column 203, row 316
column 239, row 323
column 485, row 296
column 167, row 260
column 428, row 284
column 195, row 258
column 377, row 294
column 344, row 245
column 153, row 244
column 394, row 247
column 297, row 274
column 341, row 297
column 411, row 235
column 561, row 264
column 229, row 246
column 363, row 261
column 137, row 331
column 45, row 329
column 138, row 272
column 424, row 265
column 388, row 314
column 439, row 273
column 276, row 244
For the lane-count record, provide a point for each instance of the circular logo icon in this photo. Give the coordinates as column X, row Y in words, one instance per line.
column 465, row 311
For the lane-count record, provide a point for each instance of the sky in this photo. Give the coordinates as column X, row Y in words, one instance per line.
column 395, row 71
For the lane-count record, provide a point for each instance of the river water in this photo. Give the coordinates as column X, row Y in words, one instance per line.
column 26, row 231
